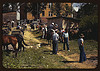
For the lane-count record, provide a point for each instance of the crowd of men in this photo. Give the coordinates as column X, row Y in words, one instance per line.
column 52, row 32
column 63, row 36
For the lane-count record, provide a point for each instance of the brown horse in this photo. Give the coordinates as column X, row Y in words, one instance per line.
column 8, row 39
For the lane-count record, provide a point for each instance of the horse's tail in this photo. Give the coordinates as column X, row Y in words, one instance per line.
column 25, row 43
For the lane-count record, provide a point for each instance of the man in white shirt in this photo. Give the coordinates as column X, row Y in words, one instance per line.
column 55, row 42
column 81, row 48
column 43, row 32
column 12, row 22
column 66, row 40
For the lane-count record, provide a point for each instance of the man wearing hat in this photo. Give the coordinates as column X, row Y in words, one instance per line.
column 81, row 48
column 55, row 42
column 51, row 26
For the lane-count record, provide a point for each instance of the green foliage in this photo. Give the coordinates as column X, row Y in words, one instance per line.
column 89, row 22
column 42, row 58
column 87, row 9
column 56, row 8
column 7, row 9
column 35, row 8
column 88, row 15
column 60, row 9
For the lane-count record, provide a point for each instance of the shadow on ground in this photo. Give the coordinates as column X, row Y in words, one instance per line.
column 69, row 61
column 93, row 58
column 48, row 52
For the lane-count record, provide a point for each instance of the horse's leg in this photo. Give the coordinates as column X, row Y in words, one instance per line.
column 7, row 47
column 23, row 47
column 4, row 47
column 15, row 51
column 14, row 46
column 19, row 46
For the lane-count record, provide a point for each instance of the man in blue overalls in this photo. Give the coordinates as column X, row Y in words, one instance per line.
column 55, row 42
column 81, row 48
column 66, row 39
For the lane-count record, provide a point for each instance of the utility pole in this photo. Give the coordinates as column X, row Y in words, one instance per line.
column 18, row 13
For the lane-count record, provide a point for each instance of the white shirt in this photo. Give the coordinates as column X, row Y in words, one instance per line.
column 53, row 30
column 12, row 21
column 66, row 35
column 80, row 40
column 46, row 29
column 62, row 31
column 25, row 24
column 55, row 36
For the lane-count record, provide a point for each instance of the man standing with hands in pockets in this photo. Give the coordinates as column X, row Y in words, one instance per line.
column 55, row 42
column 81, row 48
column 66, row 39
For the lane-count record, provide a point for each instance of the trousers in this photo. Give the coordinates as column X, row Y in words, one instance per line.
column 65, row 42
column 82, row 54
column 55, row 47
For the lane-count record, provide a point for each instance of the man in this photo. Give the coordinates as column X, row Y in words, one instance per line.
column 81, row 48
column 66, row 40
column 12, row 22
column 43, row 31
column 61, row 34
column 55, row 42
column 51, row 26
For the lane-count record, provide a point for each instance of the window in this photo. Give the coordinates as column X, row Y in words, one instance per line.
column 50, row 4
column 50, row 14
column 43, row 14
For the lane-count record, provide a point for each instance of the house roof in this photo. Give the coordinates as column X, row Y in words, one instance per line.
column 68, row 18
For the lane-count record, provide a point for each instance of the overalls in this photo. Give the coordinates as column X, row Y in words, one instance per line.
column 55, row 47
column 82, row 53
column 55, row 43
column 65, row 42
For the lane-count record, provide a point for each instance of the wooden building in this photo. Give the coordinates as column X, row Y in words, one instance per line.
column 46, row 13
column 9, row 16
column 64, row 22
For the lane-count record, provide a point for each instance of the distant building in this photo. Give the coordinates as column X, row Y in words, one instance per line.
column 46, row 13
column 9, row 16
column 64, row 22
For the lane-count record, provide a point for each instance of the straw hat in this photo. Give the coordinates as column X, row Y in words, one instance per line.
column 81, row 35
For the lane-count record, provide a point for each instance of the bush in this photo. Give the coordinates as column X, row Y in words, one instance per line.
column 88, row 26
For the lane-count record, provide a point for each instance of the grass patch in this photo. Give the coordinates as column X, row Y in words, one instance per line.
column 90, row 46
column 34, row 58
column 42, row 58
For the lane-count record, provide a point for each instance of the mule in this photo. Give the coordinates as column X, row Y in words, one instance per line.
column 20, row 39
column 9, row 39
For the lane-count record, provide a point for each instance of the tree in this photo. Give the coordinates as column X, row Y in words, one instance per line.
column 5, row 7
column 9, row 7
column 87, row 9
column 88, row 15
column 36, row 8
column 61, row 9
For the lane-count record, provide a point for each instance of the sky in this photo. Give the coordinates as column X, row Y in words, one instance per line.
column 76, row 6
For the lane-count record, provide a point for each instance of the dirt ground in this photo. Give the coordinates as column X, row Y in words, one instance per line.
column 73, row 59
